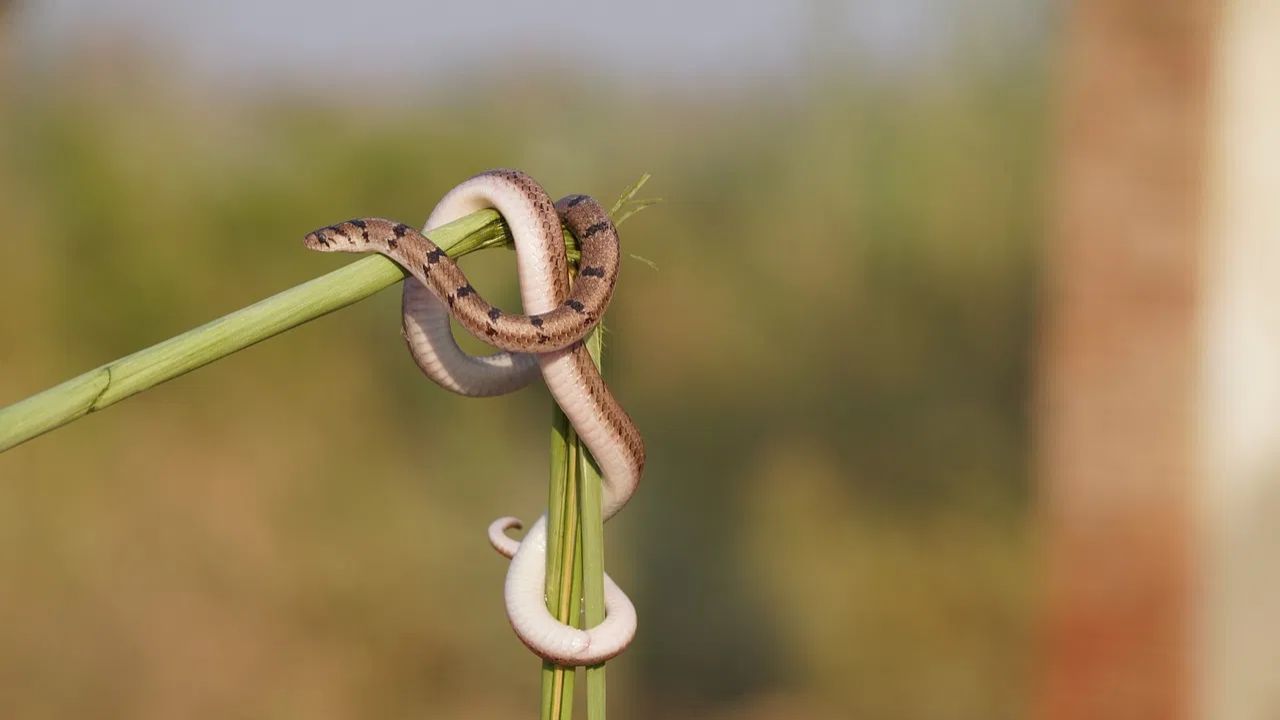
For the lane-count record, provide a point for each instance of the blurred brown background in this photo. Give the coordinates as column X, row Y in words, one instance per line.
column 831, row 362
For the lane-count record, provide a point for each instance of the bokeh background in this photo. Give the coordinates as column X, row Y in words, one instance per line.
column 829, row 362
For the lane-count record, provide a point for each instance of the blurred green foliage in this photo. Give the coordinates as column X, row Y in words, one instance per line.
column 830, row 367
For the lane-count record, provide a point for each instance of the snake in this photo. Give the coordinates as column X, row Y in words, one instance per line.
column 546, row 339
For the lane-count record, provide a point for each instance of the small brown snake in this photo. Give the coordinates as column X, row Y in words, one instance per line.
column 547, row 339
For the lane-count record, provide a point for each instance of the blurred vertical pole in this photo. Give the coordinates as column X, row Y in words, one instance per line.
column 6, row 7
column 1238, row 650
column 1117, row 416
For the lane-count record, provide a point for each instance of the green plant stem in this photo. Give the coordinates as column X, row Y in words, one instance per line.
column 575, row 529
column 575, row 557
column 592, row 533
column 115, row 381
column 563, row 541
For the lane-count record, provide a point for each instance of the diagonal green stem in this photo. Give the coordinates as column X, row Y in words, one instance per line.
column 117, row 380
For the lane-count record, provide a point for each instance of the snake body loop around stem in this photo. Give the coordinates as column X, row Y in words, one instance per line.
column 548, row 337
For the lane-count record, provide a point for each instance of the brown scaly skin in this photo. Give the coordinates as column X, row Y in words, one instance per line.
column 581, row 214
column 555, row 330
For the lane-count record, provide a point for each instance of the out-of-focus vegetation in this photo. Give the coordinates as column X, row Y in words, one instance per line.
column 830, row 367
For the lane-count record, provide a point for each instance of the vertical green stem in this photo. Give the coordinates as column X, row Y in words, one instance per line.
column 575, row 557
column 572, row 465
column 562, row 540
column 590, row 488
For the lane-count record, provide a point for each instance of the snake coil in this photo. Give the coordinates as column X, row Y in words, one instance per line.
column 547, row 339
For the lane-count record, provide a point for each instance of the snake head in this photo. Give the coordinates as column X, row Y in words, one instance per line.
column 322, row 239
column 357, row 235
column 347, row 233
